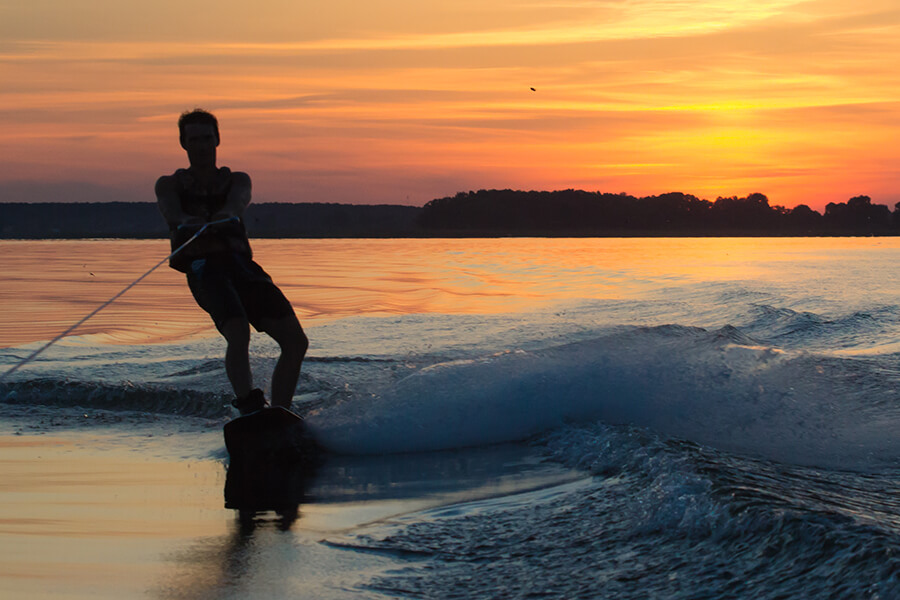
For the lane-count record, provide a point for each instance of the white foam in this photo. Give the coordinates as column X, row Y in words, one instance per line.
column 697, row 385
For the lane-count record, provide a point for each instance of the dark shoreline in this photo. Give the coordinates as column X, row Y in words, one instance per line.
column 482, row 214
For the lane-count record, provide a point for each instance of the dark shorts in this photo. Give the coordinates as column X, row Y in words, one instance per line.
column 230, row 286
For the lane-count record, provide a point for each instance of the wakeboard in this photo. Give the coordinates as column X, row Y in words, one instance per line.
column 273, row 457
column 273, row 434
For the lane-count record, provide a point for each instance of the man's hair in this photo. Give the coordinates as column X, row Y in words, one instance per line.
column 198, row 115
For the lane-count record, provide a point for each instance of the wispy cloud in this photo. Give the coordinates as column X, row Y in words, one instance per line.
column 641, row 95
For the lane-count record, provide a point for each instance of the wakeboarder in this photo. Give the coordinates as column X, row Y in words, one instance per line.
column 221, row 273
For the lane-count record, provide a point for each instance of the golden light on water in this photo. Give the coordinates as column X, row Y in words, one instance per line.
column 51, row 285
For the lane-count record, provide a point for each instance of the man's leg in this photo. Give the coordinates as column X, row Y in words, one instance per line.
column 237, row 357
column 289, row 335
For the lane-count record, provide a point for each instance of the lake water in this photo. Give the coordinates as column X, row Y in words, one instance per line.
column 569, row 418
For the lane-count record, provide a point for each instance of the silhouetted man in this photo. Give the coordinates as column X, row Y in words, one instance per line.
column 221, row 274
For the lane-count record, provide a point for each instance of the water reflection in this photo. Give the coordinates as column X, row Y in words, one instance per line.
column 303, row 544
column 253, row 487
column 50, row 284
column 366, row 488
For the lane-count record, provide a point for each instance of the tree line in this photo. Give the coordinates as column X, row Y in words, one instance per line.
column 472, row 214
column 19, row 220
column 577, row 212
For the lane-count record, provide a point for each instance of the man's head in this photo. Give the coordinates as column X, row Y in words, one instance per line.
column 197, row 116
column 199, row 135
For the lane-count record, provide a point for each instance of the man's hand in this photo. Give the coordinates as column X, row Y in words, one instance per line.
column 230, row 225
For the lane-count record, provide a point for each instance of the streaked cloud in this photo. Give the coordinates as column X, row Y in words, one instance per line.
column 646, row 96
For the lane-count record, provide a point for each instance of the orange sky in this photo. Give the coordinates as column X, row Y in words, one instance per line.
column 402, row 101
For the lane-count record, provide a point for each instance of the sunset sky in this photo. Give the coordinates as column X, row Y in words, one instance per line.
column 402, row 101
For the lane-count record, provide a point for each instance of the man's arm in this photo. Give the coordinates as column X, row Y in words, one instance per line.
column 169, row 204
column 238, row 197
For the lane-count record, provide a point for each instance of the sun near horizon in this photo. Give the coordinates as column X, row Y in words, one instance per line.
column 398, row 102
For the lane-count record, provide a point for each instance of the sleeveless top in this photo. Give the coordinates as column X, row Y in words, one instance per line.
column 199, row 201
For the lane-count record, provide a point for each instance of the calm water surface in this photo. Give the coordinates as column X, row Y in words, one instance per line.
column 49, row 284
